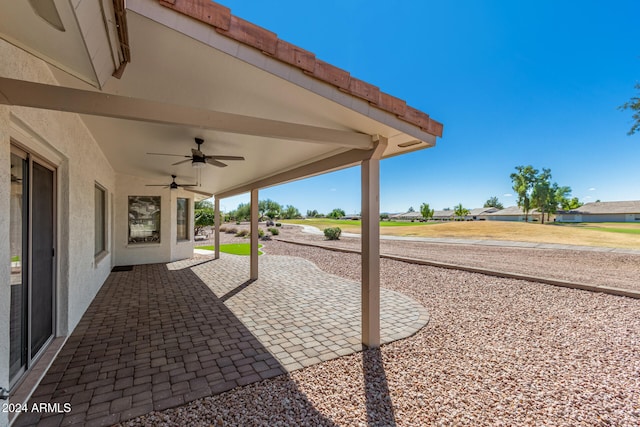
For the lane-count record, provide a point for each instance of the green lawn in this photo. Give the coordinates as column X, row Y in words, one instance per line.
column 15, row 258
column 616, row 230
column 612, row 227
column 232, row 248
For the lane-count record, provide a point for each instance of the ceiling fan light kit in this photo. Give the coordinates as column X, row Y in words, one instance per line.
column 173, row 185
column 198, row 163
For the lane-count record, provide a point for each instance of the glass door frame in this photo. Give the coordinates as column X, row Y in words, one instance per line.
column 27, row 248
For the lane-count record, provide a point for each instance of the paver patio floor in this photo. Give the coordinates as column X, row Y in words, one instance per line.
column 161, row 335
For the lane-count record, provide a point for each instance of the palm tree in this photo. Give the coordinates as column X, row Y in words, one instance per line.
column 460, row 211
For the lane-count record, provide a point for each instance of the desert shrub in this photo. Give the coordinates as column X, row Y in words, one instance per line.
column 278, row 224
column 260, row 232
column 242, row 233
column 231, row 230
column 223, row 228
column 332, row 233
column 274, row 231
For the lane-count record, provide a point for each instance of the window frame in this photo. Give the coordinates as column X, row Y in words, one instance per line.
column 146, row 235
column 98, row 252
column 185, row 236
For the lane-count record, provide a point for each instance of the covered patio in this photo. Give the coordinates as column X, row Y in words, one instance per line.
column 160, row 335
column 117, row 117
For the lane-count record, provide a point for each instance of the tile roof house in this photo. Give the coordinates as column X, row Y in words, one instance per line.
column 480, row 213
column 407, row 216
column 625, row 211
column 443, row 215
column 512, row 213
column 101, row 102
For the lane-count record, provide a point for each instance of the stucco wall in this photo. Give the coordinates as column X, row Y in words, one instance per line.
column 145, row 253
column 5, row 271
column 62, row 139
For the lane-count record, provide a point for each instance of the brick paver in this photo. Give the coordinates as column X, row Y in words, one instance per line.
column 162, row 335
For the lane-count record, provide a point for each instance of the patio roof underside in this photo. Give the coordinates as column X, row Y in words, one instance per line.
column 173, row 67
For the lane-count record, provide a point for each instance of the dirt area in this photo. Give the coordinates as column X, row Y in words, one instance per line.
column 583, row 234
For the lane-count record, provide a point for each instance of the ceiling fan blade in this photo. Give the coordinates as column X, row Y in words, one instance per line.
column 158, row 185
column 226, row 157
column 181, row 162
column 187, row 185
column 213, row 162
column 165, row 154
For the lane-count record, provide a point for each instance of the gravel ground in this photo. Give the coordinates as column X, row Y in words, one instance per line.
column 496, row 352
column 592, row 268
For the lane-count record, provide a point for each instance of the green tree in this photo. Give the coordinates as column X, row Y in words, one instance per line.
column 569, row 204
column 426, row 211
column 202, row 204
column 633, row 105
column 242, row 212
column 269, row 208
column 523, row 183
column 336, row 213
column 411, row 209
column 555, row 198
column 204, row 217
column 384, row 216
column 290, row 212
column 460, row 211
column 312, row 214
column 493, row 203
column 542, row 194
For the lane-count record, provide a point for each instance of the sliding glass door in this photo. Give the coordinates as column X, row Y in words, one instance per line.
column 32, row 241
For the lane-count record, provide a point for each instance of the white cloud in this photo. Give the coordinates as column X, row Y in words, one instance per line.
column 592, row 189
column 507, row 195
column 587, row 197
column 333, row 189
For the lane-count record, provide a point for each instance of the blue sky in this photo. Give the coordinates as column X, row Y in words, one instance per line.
column 513, row 82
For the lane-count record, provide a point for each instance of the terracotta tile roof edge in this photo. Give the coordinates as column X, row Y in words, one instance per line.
column 221, row 19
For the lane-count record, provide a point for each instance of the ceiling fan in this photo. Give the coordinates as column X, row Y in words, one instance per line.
column 198, row 159
column 173, row 185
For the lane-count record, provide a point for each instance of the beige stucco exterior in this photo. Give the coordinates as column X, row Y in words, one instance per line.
column 307, row 118
column 63, row 140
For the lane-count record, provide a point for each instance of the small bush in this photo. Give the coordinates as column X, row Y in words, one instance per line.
column 332, row 233
column 223, row 228
column 274, row 231
column 237, row 222
column 242, row 233
column 231, row 230
column 278, row 224
column 260, row 232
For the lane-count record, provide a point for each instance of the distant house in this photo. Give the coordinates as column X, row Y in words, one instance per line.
column 479, row 214
column 628, row 211
column 352, row 217
column 512, row 213
column 407, row 216
column 446, row 215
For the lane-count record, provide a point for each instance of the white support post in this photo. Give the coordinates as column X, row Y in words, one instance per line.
column 216, row 232
column 254, row 234
column 370, row 174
